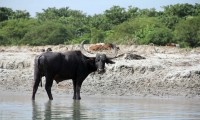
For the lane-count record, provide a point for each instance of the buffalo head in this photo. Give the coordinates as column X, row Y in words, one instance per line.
column 100, row 59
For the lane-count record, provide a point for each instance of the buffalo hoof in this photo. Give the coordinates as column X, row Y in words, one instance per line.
column 79, row 98
column 33, row 98
column 50, row 98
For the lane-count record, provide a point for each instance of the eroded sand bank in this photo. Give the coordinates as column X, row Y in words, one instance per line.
column 166, row 71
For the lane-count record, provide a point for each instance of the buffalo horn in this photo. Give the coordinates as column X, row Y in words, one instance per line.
column 115, row 53
column 84, row 52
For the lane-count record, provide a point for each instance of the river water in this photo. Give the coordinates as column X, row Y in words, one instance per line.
column 21, row 107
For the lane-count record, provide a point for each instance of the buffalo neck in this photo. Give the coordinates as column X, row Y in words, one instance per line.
column 91, row 65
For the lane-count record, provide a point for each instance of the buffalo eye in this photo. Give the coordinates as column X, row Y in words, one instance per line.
column 97, row 60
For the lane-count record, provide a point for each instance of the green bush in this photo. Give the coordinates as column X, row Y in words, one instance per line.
column 159, row 36
column 177, row 23
column 50, row 33
column 14, row 30
column 187, row 31
column 135, row 31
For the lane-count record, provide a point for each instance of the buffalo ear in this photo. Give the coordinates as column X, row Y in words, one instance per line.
column 109, row 61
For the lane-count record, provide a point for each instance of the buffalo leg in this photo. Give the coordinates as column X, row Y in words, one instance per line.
column 74, row 87
column 77, row 87
column 35, row 86
column 48, row 86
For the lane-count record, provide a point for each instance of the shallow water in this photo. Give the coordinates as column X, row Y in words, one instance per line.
column 20, row 107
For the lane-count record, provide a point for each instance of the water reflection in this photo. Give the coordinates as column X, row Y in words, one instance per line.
column 53, row 110
column 98, row 108
column 48, row 111
column 104, row 108
column 36, row 112
column 76, row 110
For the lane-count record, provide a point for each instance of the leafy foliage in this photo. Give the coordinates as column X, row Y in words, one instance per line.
column 177, row 23
column 5, row 13
column 50, row 33
column 188, row 30
column 159, row 36
column 116, row 15
column 12, row 31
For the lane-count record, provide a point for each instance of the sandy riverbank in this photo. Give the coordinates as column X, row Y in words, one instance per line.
column 166, row 71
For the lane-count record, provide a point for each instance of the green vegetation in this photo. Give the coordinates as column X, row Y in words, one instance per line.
column 177, row 23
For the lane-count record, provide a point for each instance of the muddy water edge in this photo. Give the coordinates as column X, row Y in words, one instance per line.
column 18, row 106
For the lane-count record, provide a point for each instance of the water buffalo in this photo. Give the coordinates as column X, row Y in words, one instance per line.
column 75, row 65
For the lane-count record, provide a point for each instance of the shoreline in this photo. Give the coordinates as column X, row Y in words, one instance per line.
column 170, row 72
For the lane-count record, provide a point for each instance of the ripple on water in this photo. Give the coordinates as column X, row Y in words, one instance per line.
column 17, row 107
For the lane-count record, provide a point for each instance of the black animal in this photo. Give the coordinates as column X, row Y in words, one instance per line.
column 75, row 65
